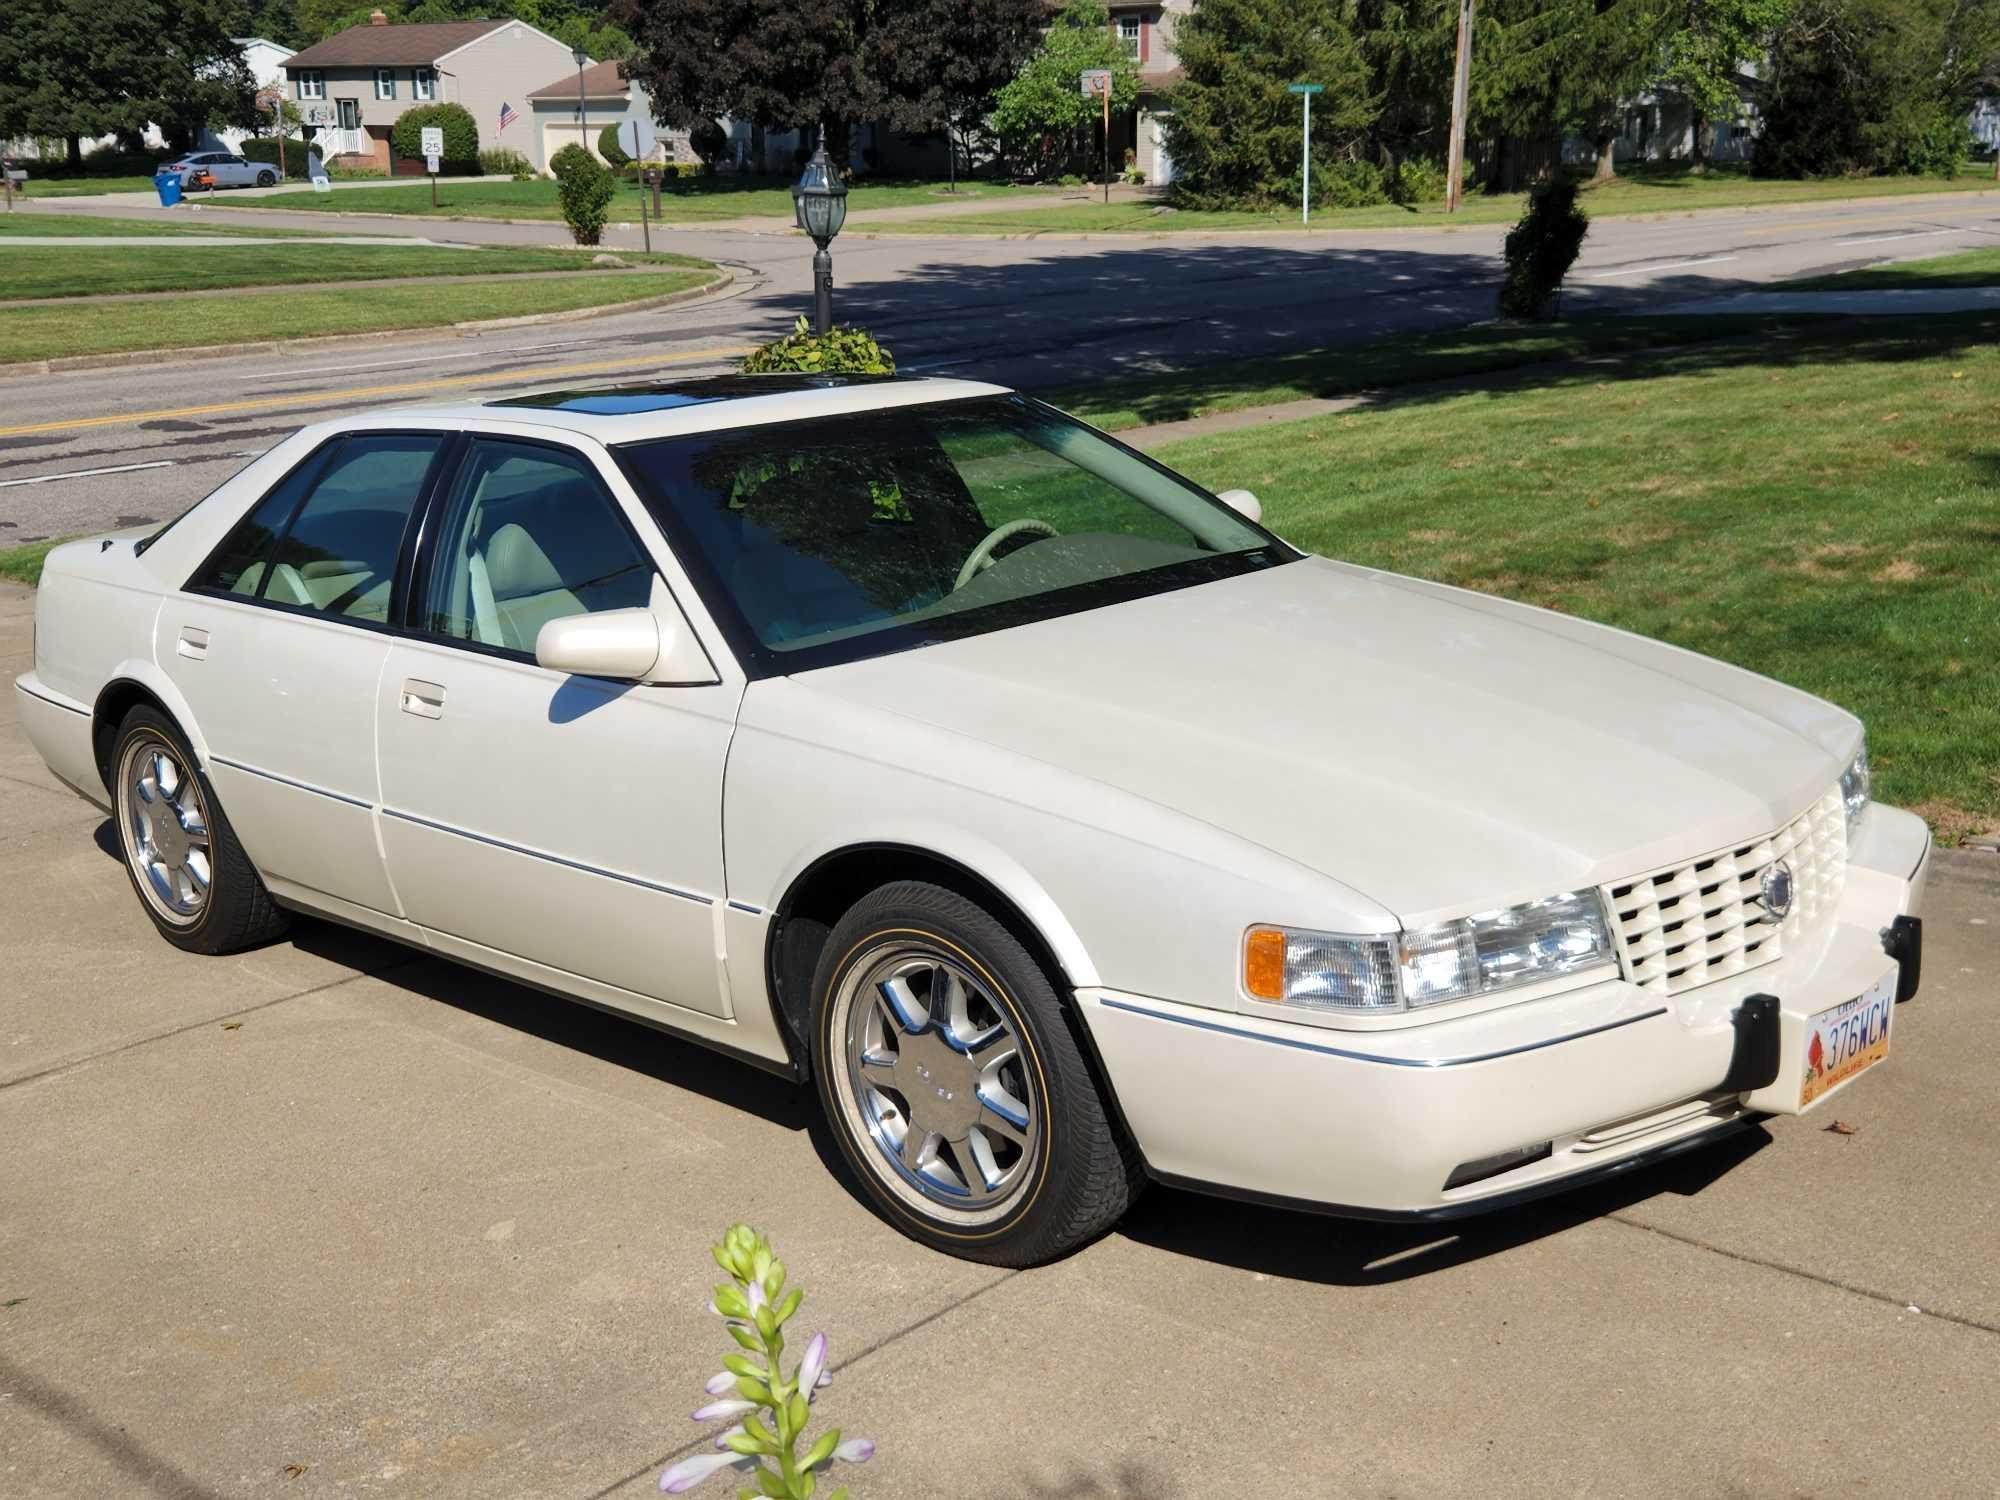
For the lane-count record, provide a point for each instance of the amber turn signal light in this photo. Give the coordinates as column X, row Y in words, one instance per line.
column 1264, row 963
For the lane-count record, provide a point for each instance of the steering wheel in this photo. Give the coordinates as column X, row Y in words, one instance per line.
column 981, row 557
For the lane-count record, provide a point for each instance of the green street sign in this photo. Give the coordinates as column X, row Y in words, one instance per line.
column 1306, row 88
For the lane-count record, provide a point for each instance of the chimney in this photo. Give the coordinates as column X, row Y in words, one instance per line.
column 376, row 18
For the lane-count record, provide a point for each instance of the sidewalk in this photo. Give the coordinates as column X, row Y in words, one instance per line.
column 1878, row 303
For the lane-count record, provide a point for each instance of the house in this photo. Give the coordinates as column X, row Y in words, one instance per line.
column 1146, row 31
column 266, row 61
column 577, row 107
column 360, row 80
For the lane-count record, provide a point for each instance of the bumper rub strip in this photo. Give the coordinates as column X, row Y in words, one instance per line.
column 554, row 859
column 68, row 708
column 317, row 791
column 1302, row 1045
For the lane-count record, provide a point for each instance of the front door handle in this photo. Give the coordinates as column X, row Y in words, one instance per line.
column 424, row 699
column 193, row 643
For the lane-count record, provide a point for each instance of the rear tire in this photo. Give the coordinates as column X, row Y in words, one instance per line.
column 190, row 874
column 957, row 1086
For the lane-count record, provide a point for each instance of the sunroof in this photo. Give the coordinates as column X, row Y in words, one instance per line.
column 626, row 400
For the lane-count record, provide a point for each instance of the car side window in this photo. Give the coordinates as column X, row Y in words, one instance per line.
column 339, row 557
column 239, row 564
column 529, row 534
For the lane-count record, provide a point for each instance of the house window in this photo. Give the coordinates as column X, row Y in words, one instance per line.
column 312, row 84
column 1128, row 35
column 385, row 83
column 424, row 83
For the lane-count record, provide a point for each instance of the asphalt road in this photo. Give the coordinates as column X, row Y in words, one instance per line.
column 336, row 1218
column 88, row 450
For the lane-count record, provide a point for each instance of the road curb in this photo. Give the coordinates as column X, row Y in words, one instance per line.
column 80, row 363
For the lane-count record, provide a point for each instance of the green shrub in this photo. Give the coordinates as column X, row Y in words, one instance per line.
column 608, row 147
column 503, row 161
column 111, row 162
column 267, row 151
column 585, row 190
column 353, row 174
column 841, row 351
column 1338, row 183
column 460, row 157
column 1540, row 251
column 1416, row 180
column 710, row 142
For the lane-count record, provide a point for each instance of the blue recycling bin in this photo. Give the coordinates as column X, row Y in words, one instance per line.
column 168, row 185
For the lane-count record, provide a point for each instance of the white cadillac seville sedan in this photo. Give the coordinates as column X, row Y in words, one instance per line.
column 1063, row 825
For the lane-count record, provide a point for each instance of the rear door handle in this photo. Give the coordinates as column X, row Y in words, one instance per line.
column 193, row 643
column 424, row 699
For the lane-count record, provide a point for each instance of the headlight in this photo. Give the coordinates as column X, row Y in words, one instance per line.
column 1857, row 786
column 1476, row 955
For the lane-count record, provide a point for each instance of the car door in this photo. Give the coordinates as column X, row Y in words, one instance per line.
column 234, row 171
column 568, row 824
column 278, row 644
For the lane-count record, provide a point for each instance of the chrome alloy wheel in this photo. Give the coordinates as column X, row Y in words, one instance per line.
column 163, row 825
column 936, row 1080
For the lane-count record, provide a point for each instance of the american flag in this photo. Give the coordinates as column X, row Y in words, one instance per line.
column 507, row 116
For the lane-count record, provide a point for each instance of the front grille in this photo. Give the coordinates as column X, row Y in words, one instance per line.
column 1693, row 923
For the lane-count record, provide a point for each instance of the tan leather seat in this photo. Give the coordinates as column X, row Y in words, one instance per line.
column 527, row 589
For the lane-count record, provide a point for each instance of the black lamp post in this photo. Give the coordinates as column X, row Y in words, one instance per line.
column 820, row 200
column 582, row 57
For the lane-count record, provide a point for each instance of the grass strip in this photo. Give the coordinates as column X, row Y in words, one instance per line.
column 1972, row 268
column 30, row 333
column 73, row 271
column 1649, row 191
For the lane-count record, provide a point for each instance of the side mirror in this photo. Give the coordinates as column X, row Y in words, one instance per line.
column 1243, row 503
column 624, row 645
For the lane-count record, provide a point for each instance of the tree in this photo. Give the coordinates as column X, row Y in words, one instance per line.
column 70, row 69
column 952, row 60
column 1043, row 112
column 1875, row 85
column 1235, row 128
column 1706, row 50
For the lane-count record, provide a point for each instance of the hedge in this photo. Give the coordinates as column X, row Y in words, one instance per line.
column 461, row 137
column 267, row 151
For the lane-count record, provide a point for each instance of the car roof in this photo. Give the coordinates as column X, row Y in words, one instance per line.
column 656, row 409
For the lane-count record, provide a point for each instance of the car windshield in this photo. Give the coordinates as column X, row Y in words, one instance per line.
column 839, row 537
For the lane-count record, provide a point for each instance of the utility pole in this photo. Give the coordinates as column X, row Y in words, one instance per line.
column 1460, row 85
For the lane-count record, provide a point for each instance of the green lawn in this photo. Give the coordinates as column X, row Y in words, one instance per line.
column 1972, row 268
column 77, row 187
column 36, row 223
column 1407, row 360
column 71, row 271
column 23, row 564
column 685, row 199
column 1821, row 510
column 28, row 333
column 1654, row 190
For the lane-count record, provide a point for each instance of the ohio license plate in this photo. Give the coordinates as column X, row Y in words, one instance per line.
column 1847, row 1040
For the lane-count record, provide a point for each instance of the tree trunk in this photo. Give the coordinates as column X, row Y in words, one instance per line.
column 73, row 147
column 1704, row 143
column 1506, row 174
column 1607, row 150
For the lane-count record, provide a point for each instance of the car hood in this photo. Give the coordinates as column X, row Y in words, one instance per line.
column 1437, row 750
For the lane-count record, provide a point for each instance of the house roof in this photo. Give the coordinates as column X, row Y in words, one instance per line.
column 605, row 80
column 369, row 46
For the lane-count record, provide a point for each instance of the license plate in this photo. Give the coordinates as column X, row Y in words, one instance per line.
column 1847, row 1039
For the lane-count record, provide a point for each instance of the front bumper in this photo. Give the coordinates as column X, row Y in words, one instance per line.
column 1375, row 1123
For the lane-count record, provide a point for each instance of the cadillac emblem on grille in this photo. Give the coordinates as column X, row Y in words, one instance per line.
column 1775, row 892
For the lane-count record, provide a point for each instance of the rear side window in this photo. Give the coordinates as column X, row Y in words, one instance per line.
column 328, row 537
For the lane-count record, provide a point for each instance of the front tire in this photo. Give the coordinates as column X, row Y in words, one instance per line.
column 956, row 1086
column 267, row 179
column 186, row 867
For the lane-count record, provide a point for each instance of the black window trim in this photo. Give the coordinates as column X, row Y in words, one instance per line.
column 760, row 661
column 429, row 536
column 321, row 457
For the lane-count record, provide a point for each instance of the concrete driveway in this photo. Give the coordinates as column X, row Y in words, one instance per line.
column 334, row 1217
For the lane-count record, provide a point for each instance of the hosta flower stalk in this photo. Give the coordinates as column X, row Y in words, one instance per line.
column 766, row 1445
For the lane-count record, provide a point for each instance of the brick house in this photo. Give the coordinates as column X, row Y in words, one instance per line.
column 366, row 76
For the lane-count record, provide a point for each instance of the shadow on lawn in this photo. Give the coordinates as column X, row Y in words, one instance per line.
column 1321, row 320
